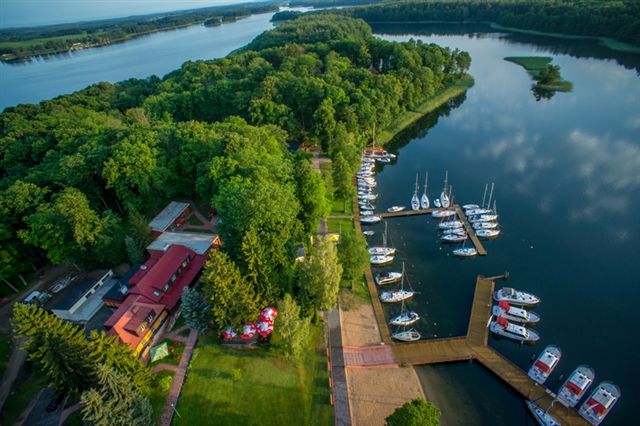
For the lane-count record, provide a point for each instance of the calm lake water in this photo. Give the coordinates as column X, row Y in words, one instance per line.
column 158, row 54
column 567, row 184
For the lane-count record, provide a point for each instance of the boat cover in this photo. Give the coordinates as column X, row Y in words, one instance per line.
column 596, row 406
column 502, row 322
column 504, row 305
column 542, row 366
column 573, row 388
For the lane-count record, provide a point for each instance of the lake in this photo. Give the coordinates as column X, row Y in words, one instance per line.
column 158, row 53
column 567, row 185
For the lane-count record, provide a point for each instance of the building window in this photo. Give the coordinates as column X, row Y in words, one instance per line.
column 174, row 276
column 166, row 287
column 156, row 293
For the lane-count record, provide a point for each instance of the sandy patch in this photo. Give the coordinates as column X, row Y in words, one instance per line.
column 374, row 393
column 359, row 327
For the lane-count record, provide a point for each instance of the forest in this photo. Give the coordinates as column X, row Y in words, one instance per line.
column 20, row 43
column 619, row 19
column 81, row 172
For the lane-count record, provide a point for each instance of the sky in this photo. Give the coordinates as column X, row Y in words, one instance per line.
column 25, row 13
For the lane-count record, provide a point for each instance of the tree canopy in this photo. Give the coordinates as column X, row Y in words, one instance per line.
column 415, row 413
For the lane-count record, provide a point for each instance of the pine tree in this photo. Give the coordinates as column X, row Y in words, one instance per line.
column 108, row 351
column 196, row 310
column 58, row 348
column 135, row 252
column 291, row 333
column 232, row 299
column 320, row 274
column 115, row 401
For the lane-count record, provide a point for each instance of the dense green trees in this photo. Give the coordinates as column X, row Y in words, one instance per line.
column 320, row 274
column 353, row 255
column 195, row 309
column 292, row 332
column 415, row 413
column 67, row 358
column 609, row 18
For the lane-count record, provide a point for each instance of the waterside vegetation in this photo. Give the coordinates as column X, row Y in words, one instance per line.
column 546, row 75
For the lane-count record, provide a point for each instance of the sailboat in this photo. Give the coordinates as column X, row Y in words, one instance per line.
column 415, row 201
column 444, row 197
column 424, row 201
column 542, row 417
column 397, row 295
column 410, row 335
column 382, row 250
column 406, row 317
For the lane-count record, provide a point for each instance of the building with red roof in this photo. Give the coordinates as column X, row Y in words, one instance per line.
column 155, row 292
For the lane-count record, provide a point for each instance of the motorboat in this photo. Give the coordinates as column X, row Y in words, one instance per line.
column 383, row 251
column 415, row 201
column 450, row 224
column 385, row 278
column 439, row 214
column 600, row 403
column 542, row 417
column 378, row 153
column 476, row 211
column 454, row 238
column 514, row 314
column 366, row 205
column 515, row 297
column 424, row 201
column 395, row 209
column 405, row 318
column 482, row 218
column 366, row 212
column 544, row 365
column 436, row 202
column 457, row 231
column 470, row 206
column 406, row 335
column 504, row 328
column 484, row 225
column 368, row 233
column 368, row 197
column 487, row 233
column 395, row 296
column 384, row 160
column 465, row 252
column 380, row 259
column 575, row 387
column 370, row 220
column 367, row 180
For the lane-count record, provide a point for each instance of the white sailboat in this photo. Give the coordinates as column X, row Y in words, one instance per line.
column 444, row 197
column 397, row 295
column 465, row 252
column 410, row 335
column 406, row 317
column 382, row 250
column 424, row 201
column 542, row 417
column 415, row 201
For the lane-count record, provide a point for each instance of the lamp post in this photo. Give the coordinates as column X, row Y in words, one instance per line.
column 174, row 409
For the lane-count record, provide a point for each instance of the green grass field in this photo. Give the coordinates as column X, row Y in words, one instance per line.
column 160, row 390
column 250, row 387
column 533, row 64
column 20, row 396
column 337, row 225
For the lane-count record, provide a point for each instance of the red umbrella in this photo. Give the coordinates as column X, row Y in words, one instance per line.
column 248, row 331
column 265, row 328
column 228, row 334
column 268, row 314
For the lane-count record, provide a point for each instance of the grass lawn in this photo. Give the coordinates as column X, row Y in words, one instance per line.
column 352, row 296
column 160, row 388
column 253, row 387
column 20, row 396
column 339, row 207
column 337, row 225
column 5, row 352
column 193, row 220
column 535, row 64
column 175, row 353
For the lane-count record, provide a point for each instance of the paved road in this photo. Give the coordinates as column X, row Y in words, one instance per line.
column 341, row 409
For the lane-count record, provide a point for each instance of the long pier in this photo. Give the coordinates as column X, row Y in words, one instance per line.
column 461, row 217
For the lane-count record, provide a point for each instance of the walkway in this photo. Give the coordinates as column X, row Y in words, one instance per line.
column 178, row 380
column 369, row 356
column 341, row 408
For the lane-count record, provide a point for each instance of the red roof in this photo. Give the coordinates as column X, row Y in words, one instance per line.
column 127, row 319
column 152, row 283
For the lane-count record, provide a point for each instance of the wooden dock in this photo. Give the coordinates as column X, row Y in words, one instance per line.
column 473, row 346
column 467, row 226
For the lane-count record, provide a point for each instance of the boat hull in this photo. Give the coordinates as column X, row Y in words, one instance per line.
column 543, row 418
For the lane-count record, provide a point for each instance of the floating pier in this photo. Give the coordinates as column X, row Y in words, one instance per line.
column 467, row 226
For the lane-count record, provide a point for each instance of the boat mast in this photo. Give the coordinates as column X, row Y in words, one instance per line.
column 484, row 196
column 446, row 182
column 384, row 236
column 490, row 196
column 426, row 180
column 415, row 193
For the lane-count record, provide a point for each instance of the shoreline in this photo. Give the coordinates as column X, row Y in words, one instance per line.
column 410, row 117
column 608, row 42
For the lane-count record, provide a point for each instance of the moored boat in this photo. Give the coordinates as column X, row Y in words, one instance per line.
column 575, row 387
column 368, row 233
column 366, row 212
column 477, row 211
column 370, row 220
column 487, row 233
column 443, row 213
column 406, row 335
column 484, row 225
column 542, row 417
column 380, row 259
column 504, row 328
column 465, row 252
column 394, row 296
column 405, row 318
column 415, row 201
column 424, row 201
column 544, row 365
column 381, row 251
column 436, row 202
column 515, row 297
column 444, row 197
column 482, row 218
column 450, row 224
column 470, row 206
column 394, row 209
column 600, row 403
column 514, row 314
column 454, row 238
column 385, row 278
